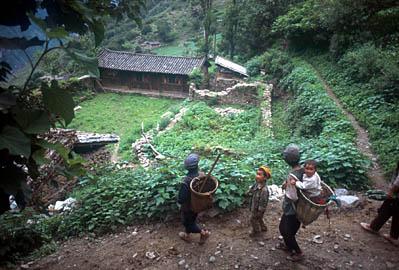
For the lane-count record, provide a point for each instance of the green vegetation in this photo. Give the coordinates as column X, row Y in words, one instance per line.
column 370, row 101
column 187, row 49
column 121, row 115
column 352, row 43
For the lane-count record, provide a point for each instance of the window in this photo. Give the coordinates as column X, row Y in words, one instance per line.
column 172, row 79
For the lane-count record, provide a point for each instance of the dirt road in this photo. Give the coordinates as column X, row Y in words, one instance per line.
column 344, row 245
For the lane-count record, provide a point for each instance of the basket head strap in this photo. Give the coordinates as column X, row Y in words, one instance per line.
column 185, row 178
column 294, row 176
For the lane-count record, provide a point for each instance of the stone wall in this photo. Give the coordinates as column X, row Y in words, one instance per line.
column 244, row 94
column 221, row 84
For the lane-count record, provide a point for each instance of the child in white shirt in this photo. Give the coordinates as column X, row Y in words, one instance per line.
column 311, row 183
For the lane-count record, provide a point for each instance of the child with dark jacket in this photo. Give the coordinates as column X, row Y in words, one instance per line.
column 259, row 200
column 189, row 217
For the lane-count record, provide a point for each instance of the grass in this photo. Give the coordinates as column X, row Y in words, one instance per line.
column 121, row 115
column 177, row 50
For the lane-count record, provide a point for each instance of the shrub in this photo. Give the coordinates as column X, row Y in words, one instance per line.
column 196, row 77
column 19, row 234
column 254, row 65
column 164, row 122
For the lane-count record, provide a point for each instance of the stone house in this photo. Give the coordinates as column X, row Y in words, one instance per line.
column 147, row 74
column 150, row 45
column 227, row 69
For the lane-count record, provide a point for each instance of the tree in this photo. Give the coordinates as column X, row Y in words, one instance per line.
column 229, row 34
column 206, row 14
column 164, row 31
column 28, row 112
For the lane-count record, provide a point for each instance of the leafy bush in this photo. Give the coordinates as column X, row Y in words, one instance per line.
column 328, row 134
column 370, row 107
column 19, row 234
column 196, row 77
column 164, row 122
column 254, row 65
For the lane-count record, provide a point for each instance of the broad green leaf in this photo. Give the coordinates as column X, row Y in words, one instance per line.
column 233, row 187
column 58, row 101
column 57, row 32
column 15, row 141
column 32, row 121
column 97, row 27
column 223, row 204
column 39, row 158
column 159, row 200
column 55, row 146
column 90, row 63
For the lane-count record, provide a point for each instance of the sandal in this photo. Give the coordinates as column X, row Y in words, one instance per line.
column 184, row 236
column 204, row 237
column 367, row 227
column 296, row 257
column 391, row 240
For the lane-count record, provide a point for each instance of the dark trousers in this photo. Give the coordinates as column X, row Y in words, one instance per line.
column 188, row 220
column 289, row 226
column 389, row 208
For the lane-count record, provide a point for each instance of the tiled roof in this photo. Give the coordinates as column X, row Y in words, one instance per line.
column 231, row 65
column 148, row 63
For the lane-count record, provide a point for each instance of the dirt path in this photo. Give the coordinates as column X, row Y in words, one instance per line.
column 375, row 172
column 342, row 245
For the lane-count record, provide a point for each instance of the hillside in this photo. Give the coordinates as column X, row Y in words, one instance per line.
column 334, row 71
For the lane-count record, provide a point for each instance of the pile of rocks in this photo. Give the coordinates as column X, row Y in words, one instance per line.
column 139, row 148
column 244, row 94
column 96, row 157
column 227, row 111
column 266, row 107
column 140, row 145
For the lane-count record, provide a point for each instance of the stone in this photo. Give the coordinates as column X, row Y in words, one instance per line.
column 316, row 239
column 212, row 259
column 340, row 192
column 349, row 200
column 150, row 255
column 182, row 262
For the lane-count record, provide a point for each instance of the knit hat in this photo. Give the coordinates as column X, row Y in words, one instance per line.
column 266, row 169
column 291, row 155
column 191, row 161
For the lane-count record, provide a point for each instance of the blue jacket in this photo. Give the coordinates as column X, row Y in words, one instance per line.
column 184, row 196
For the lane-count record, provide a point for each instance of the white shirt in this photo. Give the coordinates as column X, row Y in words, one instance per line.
column 312, row 185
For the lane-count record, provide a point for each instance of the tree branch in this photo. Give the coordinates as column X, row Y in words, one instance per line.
column 46, row 51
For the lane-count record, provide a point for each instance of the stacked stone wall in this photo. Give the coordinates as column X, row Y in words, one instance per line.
column 244, row 94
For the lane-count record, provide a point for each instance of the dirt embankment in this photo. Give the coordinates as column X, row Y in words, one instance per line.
column 341, row 245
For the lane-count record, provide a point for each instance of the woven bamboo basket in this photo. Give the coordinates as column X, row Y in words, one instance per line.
column 308, row 211
column 203, row 200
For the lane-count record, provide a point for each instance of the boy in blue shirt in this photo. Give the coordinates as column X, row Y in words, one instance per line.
column 189, row 217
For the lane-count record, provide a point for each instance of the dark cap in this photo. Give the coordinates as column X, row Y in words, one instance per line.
column 191, row 161
column 291, row 155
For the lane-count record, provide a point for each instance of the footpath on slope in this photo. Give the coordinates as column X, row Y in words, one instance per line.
column 362, row 139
